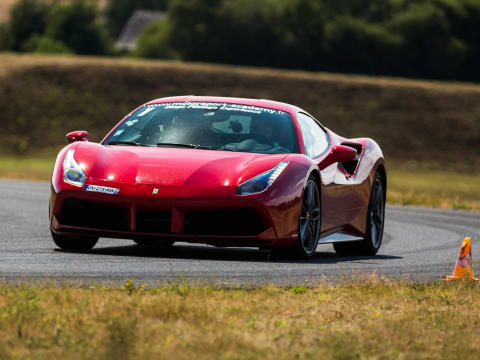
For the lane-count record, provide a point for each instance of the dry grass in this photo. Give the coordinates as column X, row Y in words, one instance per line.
column 11, row 62
column 14, row 61
column 370, row 319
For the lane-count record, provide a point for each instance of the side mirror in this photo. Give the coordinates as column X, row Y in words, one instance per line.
column 73, row 136
column 339, row 153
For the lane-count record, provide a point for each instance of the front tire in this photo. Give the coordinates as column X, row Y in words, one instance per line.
column 375, row 223
column 309, row 222
column 74, row 243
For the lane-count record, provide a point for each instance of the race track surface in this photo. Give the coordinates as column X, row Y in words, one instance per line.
column 419, row 244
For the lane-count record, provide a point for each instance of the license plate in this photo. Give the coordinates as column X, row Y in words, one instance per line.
column 101, row 189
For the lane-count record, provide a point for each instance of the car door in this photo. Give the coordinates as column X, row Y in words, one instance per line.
column 333, row 192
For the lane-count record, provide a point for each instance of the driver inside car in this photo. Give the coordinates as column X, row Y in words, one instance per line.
column 263, row 130
column 189, row 130
column 178, row 130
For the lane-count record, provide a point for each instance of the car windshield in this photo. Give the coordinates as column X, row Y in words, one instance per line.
column 208, row 125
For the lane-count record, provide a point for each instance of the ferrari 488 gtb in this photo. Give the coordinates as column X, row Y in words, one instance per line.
column 220, row 171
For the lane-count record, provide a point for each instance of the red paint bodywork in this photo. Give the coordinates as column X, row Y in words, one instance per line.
column 195, row 179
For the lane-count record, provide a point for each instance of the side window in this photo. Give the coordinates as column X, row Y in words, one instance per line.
column 314, row 137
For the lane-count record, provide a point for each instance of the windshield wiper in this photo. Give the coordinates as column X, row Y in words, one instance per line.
column 193, row 146
column 126, row 143
column 212, row 148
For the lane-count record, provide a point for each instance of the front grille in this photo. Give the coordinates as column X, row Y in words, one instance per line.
column 149, row 221
column 92, row 214
column 96, row 215
column 228, row 222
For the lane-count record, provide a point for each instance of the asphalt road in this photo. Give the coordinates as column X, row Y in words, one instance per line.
column 419, row 244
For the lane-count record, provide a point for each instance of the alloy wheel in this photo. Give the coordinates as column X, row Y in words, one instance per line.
column 310, row 219
column 377, row 214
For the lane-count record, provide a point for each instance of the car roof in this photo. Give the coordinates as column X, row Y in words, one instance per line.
column 231, row 100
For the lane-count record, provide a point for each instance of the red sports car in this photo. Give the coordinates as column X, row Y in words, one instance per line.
column 221, row 171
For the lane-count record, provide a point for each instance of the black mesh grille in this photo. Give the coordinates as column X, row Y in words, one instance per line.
column 97, row 215
column 236, row 222
column 91, row 214
column 153, row 221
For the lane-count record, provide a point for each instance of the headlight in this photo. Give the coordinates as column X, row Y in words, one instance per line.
column 261, row 182
column 72, row 173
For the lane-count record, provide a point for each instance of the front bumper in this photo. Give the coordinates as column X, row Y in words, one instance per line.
column 242, row 221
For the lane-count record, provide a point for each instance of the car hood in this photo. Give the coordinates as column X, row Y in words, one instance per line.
column 177, row 167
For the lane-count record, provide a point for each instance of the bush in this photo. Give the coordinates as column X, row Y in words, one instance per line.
column 66, row 27
column 27, row 18
column 369, row 10
column 153, row 42
column 257, row 34
column 305, row 26
column 361, row 47
column 464, row 20
column 192, row 25
column 5, row 37
column 75, row 25
column 46, row 45
column 414, row 38
column 429, row 49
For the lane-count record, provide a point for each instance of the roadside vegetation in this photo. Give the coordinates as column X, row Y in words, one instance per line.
column 411, row 38
column 435, row 39
column 370, row 318
column 443, row 188
column 38, row 168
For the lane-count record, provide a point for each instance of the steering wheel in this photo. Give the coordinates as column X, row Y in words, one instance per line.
column 260, row 138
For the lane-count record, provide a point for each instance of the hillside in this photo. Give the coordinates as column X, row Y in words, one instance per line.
column 43, row 97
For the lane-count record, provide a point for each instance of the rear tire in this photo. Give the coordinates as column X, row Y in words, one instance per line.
column 155, row 244
column 370, row 245
column 74, row 243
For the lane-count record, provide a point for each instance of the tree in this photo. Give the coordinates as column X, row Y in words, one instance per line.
column 356, row 46
column 464, row 19
column 75, row 25
column 305, row 26
column 429, row 49
column 5, row 37
column 194, row 29
column 27, row 18
column 153, row 42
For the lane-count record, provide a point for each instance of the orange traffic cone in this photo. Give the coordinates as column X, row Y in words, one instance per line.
column 463, row 267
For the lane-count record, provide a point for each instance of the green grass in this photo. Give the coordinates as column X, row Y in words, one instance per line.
column 366, row 319
column 407, row 184
column 27, row 168
column 434, row 188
